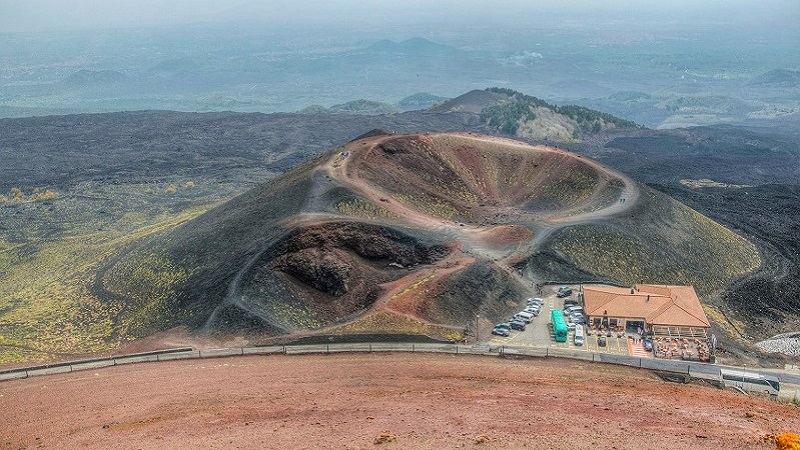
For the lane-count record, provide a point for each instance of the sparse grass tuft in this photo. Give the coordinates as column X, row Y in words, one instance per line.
column 42, row 196
column 413, row 287
column 296, row 316
column 363, row 208
column 432, row 206
column 387, row 322
column 17, row 195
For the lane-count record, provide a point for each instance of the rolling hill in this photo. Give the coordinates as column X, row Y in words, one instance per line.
column 525, row 116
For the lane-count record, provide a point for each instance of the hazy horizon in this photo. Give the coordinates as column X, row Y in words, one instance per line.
column 659, row 63
column 55, row 15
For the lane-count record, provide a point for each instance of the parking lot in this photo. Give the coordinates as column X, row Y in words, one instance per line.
column 539, row 334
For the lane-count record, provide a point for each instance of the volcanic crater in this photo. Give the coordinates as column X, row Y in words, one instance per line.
column 412, row 234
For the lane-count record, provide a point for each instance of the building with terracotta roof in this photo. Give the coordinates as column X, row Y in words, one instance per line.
column 645, row 306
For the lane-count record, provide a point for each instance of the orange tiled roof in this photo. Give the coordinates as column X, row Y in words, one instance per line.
column 656, row 304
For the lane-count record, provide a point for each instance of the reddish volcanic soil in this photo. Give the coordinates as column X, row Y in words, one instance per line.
column 380, row 400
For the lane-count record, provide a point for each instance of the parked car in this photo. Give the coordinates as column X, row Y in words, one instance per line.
column 571, row 325
column 532, row 310
column 568, row 303
column 573, row 309
column 601, row 341
column 524, row 316
column 648, row 344
column 518, row 325
column 500, row 331
column 506, row 325
column 563, row 291
column 535, row 301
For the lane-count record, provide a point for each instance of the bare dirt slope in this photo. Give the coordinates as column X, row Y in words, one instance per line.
column 408, row 401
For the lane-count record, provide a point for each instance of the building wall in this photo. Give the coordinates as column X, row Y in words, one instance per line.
column 616, row 322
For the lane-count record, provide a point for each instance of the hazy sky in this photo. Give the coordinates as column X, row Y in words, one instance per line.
column 36, row 15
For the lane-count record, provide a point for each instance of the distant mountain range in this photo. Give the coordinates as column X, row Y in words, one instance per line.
column 91, row 78
column 780, row 78
column 413, row 46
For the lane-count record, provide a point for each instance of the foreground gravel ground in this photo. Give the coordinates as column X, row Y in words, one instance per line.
column 408, row 401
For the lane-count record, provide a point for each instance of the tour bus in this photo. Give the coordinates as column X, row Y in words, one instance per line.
column 559, row 326
column 578, row 334
column 750, row 381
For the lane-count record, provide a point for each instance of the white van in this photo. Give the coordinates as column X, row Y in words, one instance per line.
column 579, row 334
column 527, row 317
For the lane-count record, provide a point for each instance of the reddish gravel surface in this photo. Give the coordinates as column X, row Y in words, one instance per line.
column 381, row 400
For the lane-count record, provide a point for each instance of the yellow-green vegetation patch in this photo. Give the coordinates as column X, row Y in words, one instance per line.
column 147, row 282
column 572, row 187
column 386, row 322
column 413, row 287
column 15, row 354
column 295, row 316
column 362, row 208
column 17, row 195
column 432, row 206
column 46, row 298
column 665, row 242
column 53, row 310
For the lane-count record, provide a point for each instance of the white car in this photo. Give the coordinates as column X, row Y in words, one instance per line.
column 524, row 316
column 535, row 301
